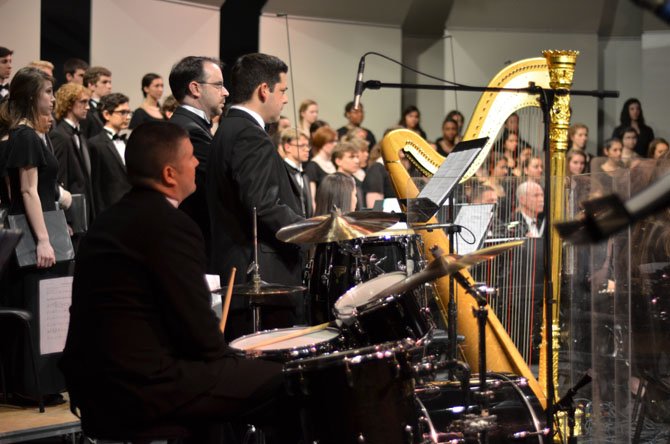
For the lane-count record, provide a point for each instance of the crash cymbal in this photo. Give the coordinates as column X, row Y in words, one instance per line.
column 446, row 265
column 335, row 227
column 262, row 289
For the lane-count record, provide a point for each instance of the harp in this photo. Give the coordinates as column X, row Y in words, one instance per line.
column 554, row 71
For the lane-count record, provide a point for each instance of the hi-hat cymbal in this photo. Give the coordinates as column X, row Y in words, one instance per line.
column 335, row 227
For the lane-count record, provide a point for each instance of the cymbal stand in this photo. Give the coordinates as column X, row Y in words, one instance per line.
column 255, row 269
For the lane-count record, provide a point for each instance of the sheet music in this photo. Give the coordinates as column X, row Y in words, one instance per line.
column 476, row 218
column 54, row 307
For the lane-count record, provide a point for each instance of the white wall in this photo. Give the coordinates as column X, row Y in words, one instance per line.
column 325, row 61
column 655, row 80
column 621, row 70
column 134, row 37
column 20, row 30
column 479, row 55
column 426, row 55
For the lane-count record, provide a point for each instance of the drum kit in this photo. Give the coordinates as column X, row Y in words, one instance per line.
column 367, row 372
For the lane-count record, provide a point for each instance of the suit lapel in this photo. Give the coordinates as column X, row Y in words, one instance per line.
column 110, row 146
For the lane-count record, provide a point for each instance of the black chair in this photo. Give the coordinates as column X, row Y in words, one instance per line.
column 24, row 317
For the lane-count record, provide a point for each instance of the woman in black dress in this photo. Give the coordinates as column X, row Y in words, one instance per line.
column 150, row 109
column 31, row 170
column 632, row 116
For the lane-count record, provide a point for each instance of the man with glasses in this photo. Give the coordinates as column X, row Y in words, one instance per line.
column 108, row 169
column 295, row 146
column 197, row 84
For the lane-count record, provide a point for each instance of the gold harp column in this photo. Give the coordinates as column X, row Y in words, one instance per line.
column 561, row 71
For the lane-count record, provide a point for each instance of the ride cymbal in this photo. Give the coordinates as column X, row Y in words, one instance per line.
column 335, row 227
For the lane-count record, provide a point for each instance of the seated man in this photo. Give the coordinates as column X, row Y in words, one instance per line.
column 144, row 347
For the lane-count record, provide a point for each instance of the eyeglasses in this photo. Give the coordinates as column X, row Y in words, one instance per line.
column 123, row 112
column 82, row 101
column 217, row 85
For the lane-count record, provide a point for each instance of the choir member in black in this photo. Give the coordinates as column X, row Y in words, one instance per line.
column 31, row 169
column 355, row 119
column 632, row 116
column 323, row 142
column 70, row 147
column 5, row 70
column 108, row 169
column 74, row 70
column 98, row 80
column 295, row 146
column 150, row 109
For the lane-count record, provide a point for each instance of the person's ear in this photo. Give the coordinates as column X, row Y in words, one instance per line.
column 168, row 176
column 194, row 89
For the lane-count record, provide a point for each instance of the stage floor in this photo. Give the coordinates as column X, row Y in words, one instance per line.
column 25, row 424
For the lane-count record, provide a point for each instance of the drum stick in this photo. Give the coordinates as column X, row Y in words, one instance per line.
column 295, row 334
column 226, row 302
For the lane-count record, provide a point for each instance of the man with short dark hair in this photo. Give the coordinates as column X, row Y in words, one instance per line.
column 5, row 70
column 197, row 84
column 108, row 170
column 144, row 346
column 99, row 81
column 246, row 172
column 74, row 70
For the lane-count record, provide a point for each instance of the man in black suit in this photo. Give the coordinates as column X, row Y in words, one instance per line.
column 246, row 172
column 144, row 346
column 197, row 84
column 5, row 70
column 108, row 170
column 74, row 70
column 98, row 80
column 70, row 148
column 295, row 147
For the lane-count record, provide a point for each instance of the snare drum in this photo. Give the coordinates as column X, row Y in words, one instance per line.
column 357, row 396
column 311, row 344
column 337, row 267
column 367, row 319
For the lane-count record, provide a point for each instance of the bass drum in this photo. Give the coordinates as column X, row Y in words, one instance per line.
column 338, row 266
column 515, row 414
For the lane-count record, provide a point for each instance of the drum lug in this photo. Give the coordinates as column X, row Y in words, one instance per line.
column 303, row 385
column 361, row 438
column 396, row 366
column 409, row 432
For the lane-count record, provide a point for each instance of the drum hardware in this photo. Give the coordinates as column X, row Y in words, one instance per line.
column 286, row 344
column 335, row 227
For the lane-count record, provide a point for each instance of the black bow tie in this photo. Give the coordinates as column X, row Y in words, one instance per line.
column 76, row 131
column 5, row 86
column 117, row 136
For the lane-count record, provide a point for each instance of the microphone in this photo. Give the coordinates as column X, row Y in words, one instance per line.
column 566, row 401
column 358, row 88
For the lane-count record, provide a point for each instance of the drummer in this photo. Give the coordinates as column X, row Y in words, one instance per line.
column 144, row 347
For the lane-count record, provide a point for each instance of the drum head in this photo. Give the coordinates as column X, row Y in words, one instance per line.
column 317, row 337
column 364, row 293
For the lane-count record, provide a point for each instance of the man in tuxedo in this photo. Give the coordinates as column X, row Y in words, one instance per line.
column 530, row 197
column 108, row 169
column 245, row 172
column 144, row 347
column 295, row 146
column 5, row 70
column 74, row 70
column 197, row 84
column 70, row 148
column 99, row 81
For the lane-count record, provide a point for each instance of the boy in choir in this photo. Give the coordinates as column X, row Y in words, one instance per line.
column 99, row 81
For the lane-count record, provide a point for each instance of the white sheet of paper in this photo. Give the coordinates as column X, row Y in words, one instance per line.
column 55, row 299
column 214, row 282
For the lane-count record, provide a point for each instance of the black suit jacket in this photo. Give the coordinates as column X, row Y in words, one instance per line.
column 93, row 124
column 73, row 163
column 245, row 171
column 304, row 195
column 143, row 340
column 108, row 172
column 196, row 204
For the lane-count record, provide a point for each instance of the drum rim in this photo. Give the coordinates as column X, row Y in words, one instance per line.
column 362, row 354
column 401, row 274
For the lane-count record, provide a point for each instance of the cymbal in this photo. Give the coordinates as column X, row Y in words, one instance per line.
column 447, row 265
column 335, row 227
column 262, row 289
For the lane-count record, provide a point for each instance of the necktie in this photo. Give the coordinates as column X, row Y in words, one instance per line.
column 4, row 87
